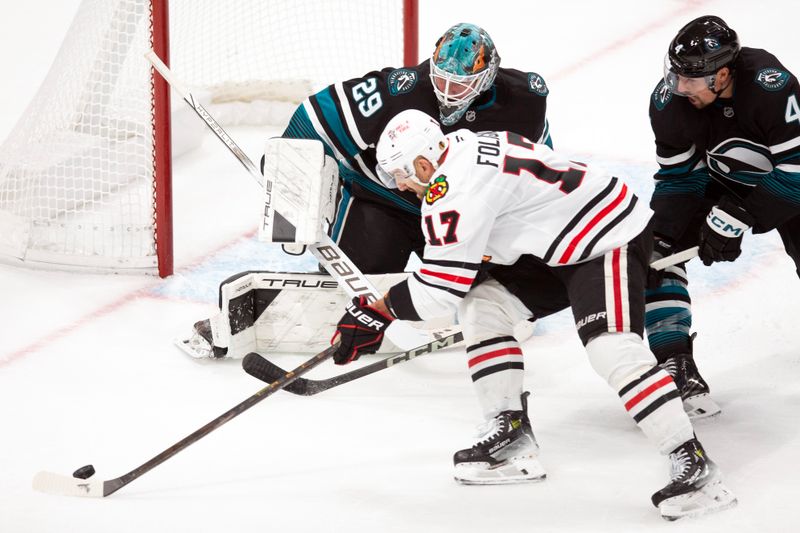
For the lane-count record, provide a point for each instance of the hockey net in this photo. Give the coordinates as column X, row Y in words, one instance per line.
column 85, row 174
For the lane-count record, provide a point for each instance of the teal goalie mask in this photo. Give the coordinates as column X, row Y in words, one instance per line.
column 463, row 66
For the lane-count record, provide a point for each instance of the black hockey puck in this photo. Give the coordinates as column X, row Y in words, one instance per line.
column 84, row 472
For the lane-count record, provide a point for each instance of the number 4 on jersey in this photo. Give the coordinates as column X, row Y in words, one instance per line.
column 792, row 110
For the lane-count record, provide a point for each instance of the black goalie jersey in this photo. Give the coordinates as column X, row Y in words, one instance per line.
column 349, row 117
column 748, row 144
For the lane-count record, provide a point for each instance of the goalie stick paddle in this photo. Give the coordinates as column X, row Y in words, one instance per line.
column 267, row 371
column 53, row 483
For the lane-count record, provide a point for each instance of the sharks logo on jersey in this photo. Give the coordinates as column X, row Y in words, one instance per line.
column 662, row 95
column 537, row 85
column 402, row 81
column 772, row 79
column 740, row 160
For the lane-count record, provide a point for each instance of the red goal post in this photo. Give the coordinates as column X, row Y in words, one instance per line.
column 85, row 175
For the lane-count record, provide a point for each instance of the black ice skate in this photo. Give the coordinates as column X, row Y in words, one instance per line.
column 694, row 390
column 696, row 486
column 507, row 452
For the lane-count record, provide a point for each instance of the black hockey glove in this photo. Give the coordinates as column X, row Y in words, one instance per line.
column 360, row 331
column 721, row 235
column 662, row 247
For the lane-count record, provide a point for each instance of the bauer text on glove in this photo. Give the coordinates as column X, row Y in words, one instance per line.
column 360, row 331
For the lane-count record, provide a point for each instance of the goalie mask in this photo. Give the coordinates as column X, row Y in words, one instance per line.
column 696, row 54
column 408, row 135
column 463, row 66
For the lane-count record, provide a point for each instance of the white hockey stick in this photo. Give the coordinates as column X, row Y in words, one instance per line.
column 674, row 259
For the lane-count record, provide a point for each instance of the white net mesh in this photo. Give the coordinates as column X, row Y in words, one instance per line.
column 76, row 173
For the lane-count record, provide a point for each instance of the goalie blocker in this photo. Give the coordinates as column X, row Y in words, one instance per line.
column 300, row 197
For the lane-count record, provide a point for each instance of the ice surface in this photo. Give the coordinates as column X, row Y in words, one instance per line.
column 88, row 373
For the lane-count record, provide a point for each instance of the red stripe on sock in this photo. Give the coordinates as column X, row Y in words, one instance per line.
column 497, row 353
column 666, row 380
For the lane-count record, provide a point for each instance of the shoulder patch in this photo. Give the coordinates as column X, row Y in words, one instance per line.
column 436, row 190
column 661, row 95
column 772, row 79
column 401, row 81
column 537, row 85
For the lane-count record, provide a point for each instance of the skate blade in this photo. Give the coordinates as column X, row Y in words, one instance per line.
column 196, row 350
column 517, row 470
column 711, row 498
column 701, row 406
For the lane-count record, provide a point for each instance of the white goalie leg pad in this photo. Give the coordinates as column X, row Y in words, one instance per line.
column 302, row 187
column 646, row 390
column 488, row 315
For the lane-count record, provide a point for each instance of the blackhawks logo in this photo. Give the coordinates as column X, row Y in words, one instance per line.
column 436, row 190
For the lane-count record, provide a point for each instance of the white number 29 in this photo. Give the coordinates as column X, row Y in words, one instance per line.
column 792, row 109
column 369, row 101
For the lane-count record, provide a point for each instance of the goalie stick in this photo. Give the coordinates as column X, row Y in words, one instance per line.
column 261, row 368
column 267, row 371
column 53, row 483
column 326, row 252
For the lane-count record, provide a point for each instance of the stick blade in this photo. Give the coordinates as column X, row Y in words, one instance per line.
column 52, row 483
column 268, row 372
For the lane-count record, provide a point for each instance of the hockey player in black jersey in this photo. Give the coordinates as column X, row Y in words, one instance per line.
column 726, row 121
column 377, row 226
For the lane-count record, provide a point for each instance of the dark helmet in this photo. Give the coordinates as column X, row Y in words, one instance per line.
column 702, row 47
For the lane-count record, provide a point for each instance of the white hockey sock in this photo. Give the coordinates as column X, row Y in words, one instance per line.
column 654, row 403
column 646, row 390
column 497, row 371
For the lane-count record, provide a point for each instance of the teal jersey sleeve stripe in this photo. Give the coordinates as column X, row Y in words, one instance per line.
column 330, row 113
column 344, row 204
column 785, row 185
column 694, row 184
column 547, row 139
column 300, row 127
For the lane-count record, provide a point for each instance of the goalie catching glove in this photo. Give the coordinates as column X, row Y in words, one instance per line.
column 360, row 331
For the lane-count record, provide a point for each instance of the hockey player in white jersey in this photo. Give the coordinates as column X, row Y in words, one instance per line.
column 488, row 199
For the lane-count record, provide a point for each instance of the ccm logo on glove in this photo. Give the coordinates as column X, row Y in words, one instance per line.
column 725, row 224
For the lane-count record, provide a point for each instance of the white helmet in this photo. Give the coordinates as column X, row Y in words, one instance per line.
column 408, row 135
